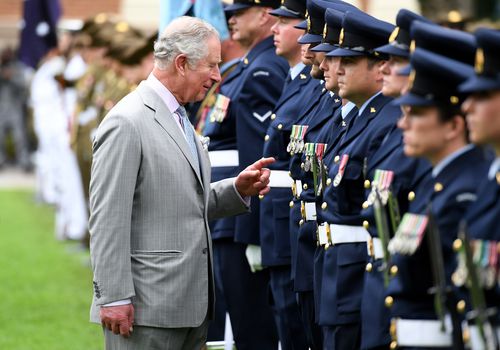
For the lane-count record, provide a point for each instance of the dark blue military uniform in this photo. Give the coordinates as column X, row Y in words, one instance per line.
column 260, row 86
column 339, row 270
column 408, row 174
column 275, row 210
column 482, row 217
column 253, row 88
column 450, row 191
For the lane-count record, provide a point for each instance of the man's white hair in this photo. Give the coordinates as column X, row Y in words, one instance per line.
column 184, row 35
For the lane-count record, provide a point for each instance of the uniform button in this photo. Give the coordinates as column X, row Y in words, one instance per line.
column 324, row 205
column 438, row 187
column 369, row 267
column 394, row 270
column 336, row 159
column 328, row 182
column 205, row 250
column 365, row 205
column 291, row 204
column 461, row 306
column 266, row 138
column 457, row 244
column 261, row 196
column 290, row 173
column 366, row 225
column 367, row 184
column 411, row 196
column 280, row 126
column 305, row 187
column 301, row 222
column 245, row 61
column 389, row 301
column 273, row 116
column 393, row 345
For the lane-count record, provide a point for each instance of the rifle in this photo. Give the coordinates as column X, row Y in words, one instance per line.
column 479, row 309
column 440, row 289
column 383, row 233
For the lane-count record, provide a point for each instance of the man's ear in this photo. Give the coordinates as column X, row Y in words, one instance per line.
column 457, row 127
column 264, row 16
column 181, row 64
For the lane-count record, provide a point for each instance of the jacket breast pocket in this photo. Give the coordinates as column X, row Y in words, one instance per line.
column 351, row 190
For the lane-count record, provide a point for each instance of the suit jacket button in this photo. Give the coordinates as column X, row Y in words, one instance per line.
column 205, row 250
column 199, row 191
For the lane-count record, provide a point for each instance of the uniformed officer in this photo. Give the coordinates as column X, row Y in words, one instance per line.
column 483, row 121
column 314, row 118
column 13, row 95
column 244, row 106
column 342, row 239
column 433, row 128
column 274, row 218
column 391, row 177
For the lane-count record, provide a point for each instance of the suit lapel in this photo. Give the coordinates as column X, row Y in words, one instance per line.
column 166, row 121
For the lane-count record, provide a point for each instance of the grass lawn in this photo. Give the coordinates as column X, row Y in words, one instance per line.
column 45, row 290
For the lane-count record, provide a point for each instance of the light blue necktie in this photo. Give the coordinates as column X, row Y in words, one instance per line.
column 189, row 132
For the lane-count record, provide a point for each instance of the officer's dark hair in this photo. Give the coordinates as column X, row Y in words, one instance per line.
column 448, row 111
column 374, row 59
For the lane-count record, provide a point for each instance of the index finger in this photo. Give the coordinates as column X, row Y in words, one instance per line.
column 261, row 163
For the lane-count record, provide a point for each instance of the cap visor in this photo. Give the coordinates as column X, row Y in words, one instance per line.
column 340, row 52
column 393, row 50
column 310, row 39
column 236, row 7
column 324, row 47
column 301, row 25
column 411, row 99
column 405, row 71
column 476, row 83
column 282, row 12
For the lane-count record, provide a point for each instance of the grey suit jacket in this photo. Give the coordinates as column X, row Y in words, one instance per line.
column 150, row 207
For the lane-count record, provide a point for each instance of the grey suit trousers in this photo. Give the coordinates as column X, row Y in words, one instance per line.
column 152, row 338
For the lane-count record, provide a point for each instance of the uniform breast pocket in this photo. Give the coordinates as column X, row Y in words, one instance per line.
column 351, row 190
column 281, row 220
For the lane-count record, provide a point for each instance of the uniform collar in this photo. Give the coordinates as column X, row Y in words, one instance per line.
column 345, row 109
column 165, row 94
column 448, row 159
column 494, row 168
column 295, row 70
column 367, row 102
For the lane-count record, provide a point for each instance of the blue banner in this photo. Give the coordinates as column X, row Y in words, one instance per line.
column 210, row 10
column 39, row 30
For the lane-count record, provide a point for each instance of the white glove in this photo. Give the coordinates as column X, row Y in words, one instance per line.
column 254, row 257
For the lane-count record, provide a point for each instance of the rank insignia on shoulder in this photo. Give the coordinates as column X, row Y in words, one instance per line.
column 260, row 73
column 263, row 117
column 409, row 234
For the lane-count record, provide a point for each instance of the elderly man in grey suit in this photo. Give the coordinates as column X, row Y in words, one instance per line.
column 151, row 199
